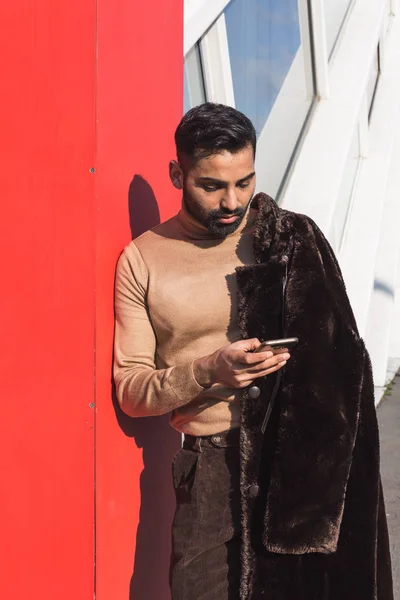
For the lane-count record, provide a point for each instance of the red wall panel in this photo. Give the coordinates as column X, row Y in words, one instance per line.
column 139, row 102
column 47, row 299
column 83, row 85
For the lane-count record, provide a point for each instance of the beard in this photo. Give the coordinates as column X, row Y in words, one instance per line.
column 210, row 219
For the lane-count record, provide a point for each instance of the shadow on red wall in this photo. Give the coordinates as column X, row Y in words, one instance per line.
column 159, row 443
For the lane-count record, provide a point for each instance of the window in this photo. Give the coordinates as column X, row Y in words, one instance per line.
column 273, row 78
column 263, row 39
column 257, row 56
column 194, row 92
column 335, row 15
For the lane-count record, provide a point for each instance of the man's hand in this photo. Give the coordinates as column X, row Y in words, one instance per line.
column 236, row 365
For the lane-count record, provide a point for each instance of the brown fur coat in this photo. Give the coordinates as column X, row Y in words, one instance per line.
column 313, row 516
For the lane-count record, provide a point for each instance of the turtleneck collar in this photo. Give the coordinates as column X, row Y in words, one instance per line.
column 196, row 231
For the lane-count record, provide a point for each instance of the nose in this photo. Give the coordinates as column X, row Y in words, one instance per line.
column 229, row 201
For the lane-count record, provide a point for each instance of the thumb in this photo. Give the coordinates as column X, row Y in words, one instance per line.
column 251, row 344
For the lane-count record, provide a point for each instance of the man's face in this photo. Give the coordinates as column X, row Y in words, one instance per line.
column 217, row 190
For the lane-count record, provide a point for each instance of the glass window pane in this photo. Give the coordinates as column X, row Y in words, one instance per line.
column 186, row 95
column 263, row 38
column 270, row 78
column 335, row 14
column 346, row 192
column 194, row 92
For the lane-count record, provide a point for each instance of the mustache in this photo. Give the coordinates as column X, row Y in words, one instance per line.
column 222, row 213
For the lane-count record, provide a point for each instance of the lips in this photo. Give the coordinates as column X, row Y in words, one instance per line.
column 227, row 220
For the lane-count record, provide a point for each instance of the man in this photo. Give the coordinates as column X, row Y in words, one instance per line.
column 277, row 484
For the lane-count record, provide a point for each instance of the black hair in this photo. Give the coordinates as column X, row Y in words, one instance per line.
column 210, row 128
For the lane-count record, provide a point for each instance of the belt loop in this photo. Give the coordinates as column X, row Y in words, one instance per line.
column 200, row 448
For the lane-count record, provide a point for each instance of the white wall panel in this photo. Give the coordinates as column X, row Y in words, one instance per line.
column 335, row 12
column 216, row 64
column 381, row 311
column 199, row 15
column 360, row 250
column 316, row 178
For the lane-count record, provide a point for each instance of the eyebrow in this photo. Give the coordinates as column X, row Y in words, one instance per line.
column 219, row 181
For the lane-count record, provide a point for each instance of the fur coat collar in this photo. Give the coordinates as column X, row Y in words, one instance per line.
column 314, row 524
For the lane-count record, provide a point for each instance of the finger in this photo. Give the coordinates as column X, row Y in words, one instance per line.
column 269, row 363
column 251, row 344
column 266, row 372
column 246, row 381
column 272, row 369
column 251, row 358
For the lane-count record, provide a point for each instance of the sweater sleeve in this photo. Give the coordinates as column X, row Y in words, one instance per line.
column 142, row 389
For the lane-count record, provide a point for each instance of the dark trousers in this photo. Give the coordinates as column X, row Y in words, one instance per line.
column 205, row 563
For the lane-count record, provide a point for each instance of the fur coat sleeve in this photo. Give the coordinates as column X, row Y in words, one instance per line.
column 317, row 467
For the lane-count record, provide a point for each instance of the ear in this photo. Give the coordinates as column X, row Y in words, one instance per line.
column 176, row 174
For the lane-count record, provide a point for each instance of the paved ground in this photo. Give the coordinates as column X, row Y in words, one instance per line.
column 389, row 423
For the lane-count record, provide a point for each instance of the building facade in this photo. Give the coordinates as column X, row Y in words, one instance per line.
column 91, row 93
column 320, row 80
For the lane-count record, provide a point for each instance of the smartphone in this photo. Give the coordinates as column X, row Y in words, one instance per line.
column 277, row 346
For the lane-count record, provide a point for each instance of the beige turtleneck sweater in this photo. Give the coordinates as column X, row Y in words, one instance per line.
column 175, row 302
